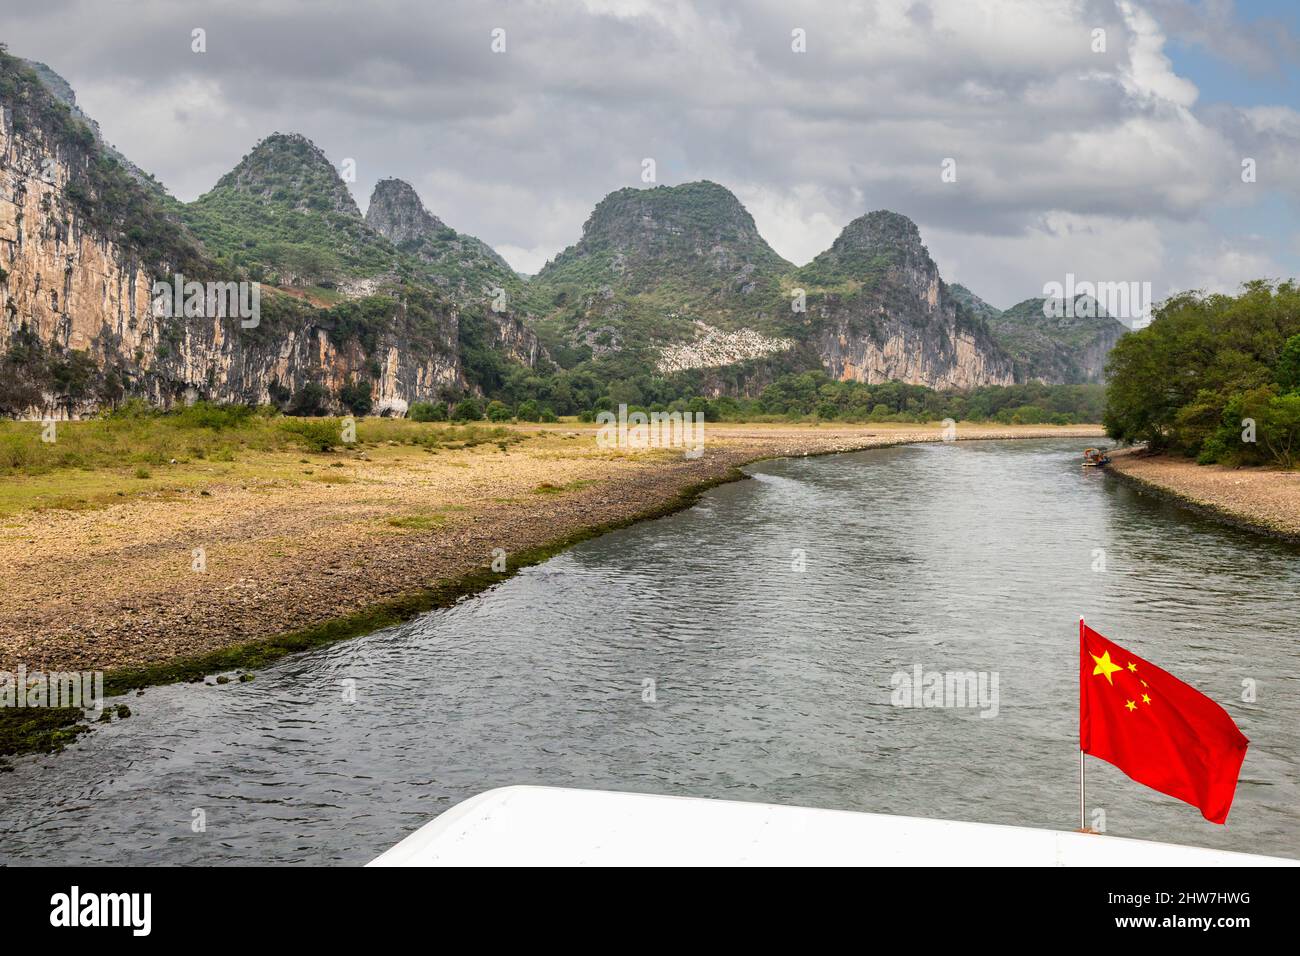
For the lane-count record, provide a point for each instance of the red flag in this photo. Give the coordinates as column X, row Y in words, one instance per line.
column 1155, row 728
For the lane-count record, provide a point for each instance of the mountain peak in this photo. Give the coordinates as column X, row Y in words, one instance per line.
column 696, row 227
column 288, row 169
column 695, row 211
column 878, row 229
column 973, row 303
column 869, row 247
column 397, row 214
column 62, row 91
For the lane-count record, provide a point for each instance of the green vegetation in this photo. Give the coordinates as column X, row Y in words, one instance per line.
column 284, row 216
column 1194, row 380
column 111, row 200
column 627, row 285
column 136, row 437
column 38, row 730
column 863, row 254
column 468, row 410
column 29, row 371
column 1055, row 346
column 418, row 522
column 427, row 412
column 794, row 396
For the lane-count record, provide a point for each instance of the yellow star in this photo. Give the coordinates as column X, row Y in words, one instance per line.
column 1105, row 666
column 1144, row 683
column 1131, row 706
column 1146, row 699
column 1133, row 667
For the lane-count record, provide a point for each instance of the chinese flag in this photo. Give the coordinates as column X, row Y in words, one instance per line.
column 1155, row 728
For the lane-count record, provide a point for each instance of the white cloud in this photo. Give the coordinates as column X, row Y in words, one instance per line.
column 1005, row 270
column 799, row 223
column 517, row 148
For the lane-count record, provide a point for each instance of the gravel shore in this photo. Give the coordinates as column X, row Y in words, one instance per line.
column 187, row 573
column 1265, row 500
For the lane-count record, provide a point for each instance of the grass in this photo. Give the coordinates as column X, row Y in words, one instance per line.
column 549, row 488
column 417, row 522
column 137, row 452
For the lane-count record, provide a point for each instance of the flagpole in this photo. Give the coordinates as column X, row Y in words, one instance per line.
column 1083, row 819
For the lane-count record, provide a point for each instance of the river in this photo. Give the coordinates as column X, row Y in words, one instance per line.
column 690, row 655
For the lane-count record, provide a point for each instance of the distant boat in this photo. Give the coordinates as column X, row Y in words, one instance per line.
column 1095, row 458
column 551, row 826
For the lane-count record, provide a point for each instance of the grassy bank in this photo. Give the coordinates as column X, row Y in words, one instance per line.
column 96, row 463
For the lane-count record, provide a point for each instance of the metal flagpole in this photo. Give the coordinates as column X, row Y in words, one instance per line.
column 1083, row 819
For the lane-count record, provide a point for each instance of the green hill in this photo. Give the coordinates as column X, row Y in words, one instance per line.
column 651, row 262
column 466, row 268
column 1051, row 346
column 284, row 216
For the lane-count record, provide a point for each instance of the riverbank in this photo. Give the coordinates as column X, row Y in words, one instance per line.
column 1263, row 500
column 224, row 565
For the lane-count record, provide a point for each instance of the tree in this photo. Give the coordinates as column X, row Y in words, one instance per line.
column 428, row 412
column 1185, row 382
column 1288, row 366
column 357, row 397
column 311, row 400
column 467, row 410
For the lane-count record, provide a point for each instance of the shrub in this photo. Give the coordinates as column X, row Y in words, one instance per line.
column 357, row 397
column 1288, row 366
column 311, row 401
column 427, row 412
column 208, row 415
column 467, row 410
column 498, row 412
column 316, row 434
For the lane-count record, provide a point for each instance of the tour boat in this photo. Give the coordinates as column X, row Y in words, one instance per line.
column 1095, row 458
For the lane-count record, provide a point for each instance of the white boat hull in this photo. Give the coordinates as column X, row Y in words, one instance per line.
column 545, row 826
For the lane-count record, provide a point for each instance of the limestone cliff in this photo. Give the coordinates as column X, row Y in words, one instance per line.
column 1058, row 344
column 82, row 243
column 878, row 312
column 467, row 269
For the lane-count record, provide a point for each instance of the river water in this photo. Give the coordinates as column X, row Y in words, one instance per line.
column 770, row 683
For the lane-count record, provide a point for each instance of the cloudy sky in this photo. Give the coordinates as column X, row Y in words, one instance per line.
column 1115, row 164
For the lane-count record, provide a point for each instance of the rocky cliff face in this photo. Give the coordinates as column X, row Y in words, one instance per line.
column 1059, row 344
column 1054, row 346
column 679, row 278
column 879, row 312
column 467, row 269
column 81, row 246
column 396, row 213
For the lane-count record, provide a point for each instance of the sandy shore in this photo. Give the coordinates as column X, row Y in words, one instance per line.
column 342, row 534
column 1266, row 500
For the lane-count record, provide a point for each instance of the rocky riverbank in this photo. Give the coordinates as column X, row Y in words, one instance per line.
column 319, row 548
column 1265, row 500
